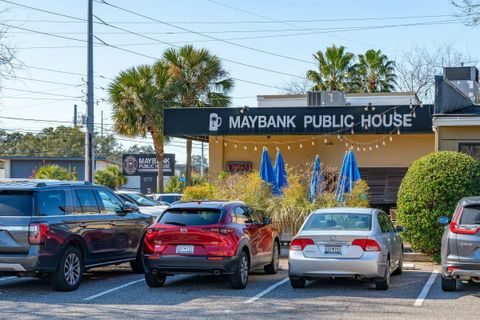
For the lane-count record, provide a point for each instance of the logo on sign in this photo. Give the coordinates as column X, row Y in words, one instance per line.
column 130, row 165
column 183, row 230
column 215, row 122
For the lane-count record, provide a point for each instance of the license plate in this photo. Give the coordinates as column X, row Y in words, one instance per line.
column 185, row 249
column 333, row 250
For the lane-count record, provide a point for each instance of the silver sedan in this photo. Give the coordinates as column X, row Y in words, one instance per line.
column 357, row 243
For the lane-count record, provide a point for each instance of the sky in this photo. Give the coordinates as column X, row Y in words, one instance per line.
column 266, row 44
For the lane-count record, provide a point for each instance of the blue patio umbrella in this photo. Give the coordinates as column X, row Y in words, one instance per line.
column 316, row 181
column 348, row 175
column 266, row 170
column 280, row 174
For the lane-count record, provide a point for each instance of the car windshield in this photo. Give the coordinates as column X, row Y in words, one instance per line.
column 141, row 200
column 190, row 217
column 470, row 215
column 338, row 221
column 169, row 198
column 15, row 203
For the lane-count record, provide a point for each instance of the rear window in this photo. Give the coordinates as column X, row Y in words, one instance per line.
column 190, row 217
column 169, row 198
column 338, row 221
column 16, row 204
column 470, row 215
column 141, row 200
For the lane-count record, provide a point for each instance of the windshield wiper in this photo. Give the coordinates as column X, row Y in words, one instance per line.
column 176, row 223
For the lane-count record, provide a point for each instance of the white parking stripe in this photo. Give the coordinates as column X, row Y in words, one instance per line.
column 112, row 290
column 423, row 294
column 264, row 292
column 7, row 278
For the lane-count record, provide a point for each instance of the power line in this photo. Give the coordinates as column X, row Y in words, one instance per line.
column 48, row 81
column 44, row 93
column 38, row 98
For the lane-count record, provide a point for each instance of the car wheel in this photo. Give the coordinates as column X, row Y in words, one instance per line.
column 69, row 272
column 273, row 267
column 449, row 284
column 239, row 280
column 384, row 283
column 155, row 280
column 298, row 283
column 399, row 269
column 137, row 264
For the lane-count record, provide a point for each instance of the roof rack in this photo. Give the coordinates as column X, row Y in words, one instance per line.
column 42, row 182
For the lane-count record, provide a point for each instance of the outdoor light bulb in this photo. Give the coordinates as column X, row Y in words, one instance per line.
column 398, row 131
column 376, row 146
column 358, row 148
column 352, row 132
column 383, row 142
column 216, row 140
column 391, row 138
column 366, row 127
column 366, row 108
column 313, row 142
column 370, row 148
column 346, row 144
column 373, row 108
column 301, row 145
column 414, row 114
column 255, row 148
column 364, row 149
column 326, row 141
column 235, row 145
column 338, row 137
column 225, row 144
column 288, row 147
column 245, row 147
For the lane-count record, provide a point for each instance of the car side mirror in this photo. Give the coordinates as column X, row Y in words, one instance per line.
column 399, row 229
column 128, row 207
column 266, row 220
column 443, row 220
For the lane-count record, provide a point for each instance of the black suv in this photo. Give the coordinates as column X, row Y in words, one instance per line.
column 59, row 229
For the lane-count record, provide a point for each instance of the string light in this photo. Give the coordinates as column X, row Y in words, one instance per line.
column 346, row 144
column 352, row 132
column 301, row 145
column 376, row 146
column 288, row 146
column 225, row 143
column 313, row 142
column 216, row 140
column 338, row 137
column 325, row 140
column 414, row 114
column 235, row 145
column 383, row 142
column 358, row 148
column 255, row 148
column 366, row 127
column 390, row 138
column 244, row 147
column 364, row 149
column 370, row 148
column 398, row 131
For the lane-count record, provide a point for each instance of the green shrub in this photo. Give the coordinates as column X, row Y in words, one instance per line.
column 359, row 195
column 431, row 188
column 55, row 172
column 199, row 192
column 174, row 185
column 111, row 177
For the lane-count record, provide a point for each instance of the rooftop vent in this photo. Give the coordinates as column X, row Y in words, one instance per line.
column 464, row 79
column 326, row 98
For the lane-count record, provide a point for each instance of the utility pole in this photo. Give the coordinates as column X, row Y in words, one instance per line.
column 201, row 163
column 89, row 132
column 75, row 119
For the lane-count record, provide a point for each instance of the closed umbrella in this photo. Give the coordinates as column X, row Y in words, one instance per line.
column 280, row 174
column 266, row 170
column 316, row 181
column 349, row 174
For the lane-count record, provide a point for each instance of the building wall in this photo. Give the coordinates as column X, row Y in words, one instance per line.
column 26, row 168
column 399, row 153
column 449, row 137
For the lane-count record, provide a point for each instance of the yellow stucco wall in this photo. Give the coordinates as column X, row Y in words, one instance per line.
column 401, row 152
column 449, row 137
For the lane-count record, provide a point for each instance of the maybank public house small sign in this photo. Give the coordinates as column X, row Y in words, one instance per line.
column 300, row 120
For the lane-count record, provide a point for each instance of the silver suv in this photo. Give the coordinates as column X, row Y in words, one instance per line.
column 461, row 244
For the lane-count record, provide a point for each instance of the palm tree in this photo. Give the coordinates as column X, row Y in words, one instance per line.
column 200, row 81
column 335, row 70
column 139, row 96
column 375, row 73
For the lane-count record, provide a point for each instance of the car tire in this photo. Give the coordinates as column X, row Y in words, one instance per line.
column 137, row 264
column 298, row 283
column 69, row 273
column 449, row 284
column 273, row 267
column 155, row 280
column 384, row 283
column 399, row 269
column 239, row 279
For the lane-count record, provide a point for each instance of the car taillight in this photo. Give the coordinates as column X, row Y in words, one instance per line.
column 456, row 228
column 223, row 231
column 150, row 241
column 299, row 244
column 452, row 268
column 37, row 233
column 367, row 244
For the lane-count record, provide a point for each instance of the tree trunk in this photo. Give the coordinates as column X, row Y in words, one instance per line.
column 188, row 163
column 158, row 145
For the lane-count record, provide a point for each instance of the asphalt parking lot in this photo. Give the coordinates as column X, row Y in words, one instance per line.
column 116, row 293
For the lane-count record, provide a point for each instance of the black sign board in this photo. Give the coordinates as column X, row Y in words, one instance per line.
column 297, row 120
column 146, row 164
column 239, row 166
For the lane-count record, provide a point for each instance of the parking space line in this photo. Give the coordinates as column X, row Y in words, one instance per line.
column 428, row 285
column 112, row 290
column 264, row 292
column 7, row 278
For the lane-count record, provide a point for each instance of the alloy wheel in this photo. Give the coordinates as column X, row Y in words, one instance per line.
column 72, row 269
column 244, row 268
column 276, row 256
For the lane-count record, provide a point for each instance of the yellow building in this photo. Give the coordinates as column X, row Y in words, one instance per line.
column 387, row 131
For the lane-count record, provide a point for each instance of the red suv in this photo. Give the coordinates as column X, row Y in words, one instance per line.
column 210, row 237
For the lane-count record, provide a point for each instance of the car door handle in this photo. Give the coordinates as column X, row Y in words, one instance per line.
column 82, row 225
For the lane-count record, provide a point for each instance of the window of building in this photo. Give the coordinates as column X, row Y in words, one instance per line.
column 472, row 149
